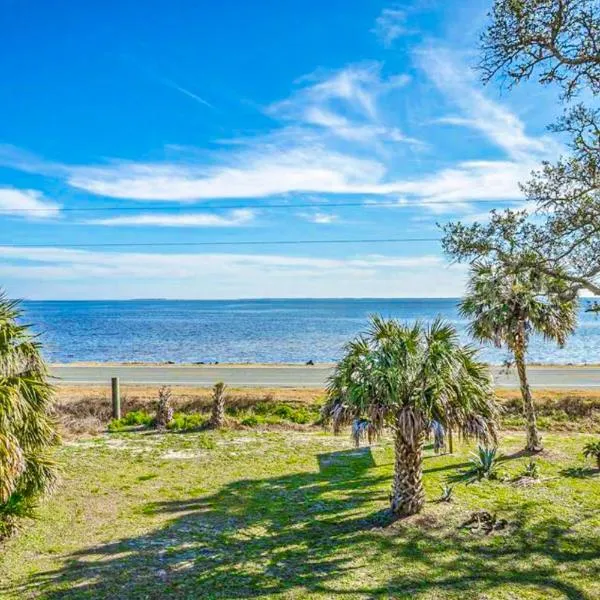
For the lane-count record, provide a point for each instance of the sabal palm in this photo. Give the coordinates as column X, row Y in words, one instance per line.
column 506, row 307
column 406, row 377
column 26, row 428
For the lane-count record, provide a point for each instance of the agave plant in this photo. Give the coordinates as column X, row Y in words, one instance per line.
column 26, row 428
column 484, row 463
column 406, row 377
column 592, row 450
column 447, row 493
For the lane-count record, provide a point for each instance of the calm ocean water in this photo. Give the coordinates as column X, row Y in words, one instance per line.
column 249, row 330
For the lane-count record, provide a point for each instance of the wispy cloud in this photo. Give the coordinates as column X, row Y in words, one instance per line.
column 390, row 25
column 498, row 124
column 31, row 204
column 319, row 218
column 218, row 275
column 332, row 139
column 234, row 218
column 186, row 92
column 345, row 104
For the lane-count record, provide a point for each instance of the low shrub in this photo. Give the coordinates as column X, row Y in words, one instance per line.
column 268, row 413
column 256, row 420
column 134, row 418
column 187, row 422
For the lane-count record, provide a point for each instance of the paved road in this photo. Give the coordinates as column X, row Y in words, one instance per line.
column 288, row 376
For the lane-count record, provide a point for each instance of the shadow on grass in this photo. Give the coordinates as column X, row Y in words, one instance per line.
column 326, row 533
column 580, row 472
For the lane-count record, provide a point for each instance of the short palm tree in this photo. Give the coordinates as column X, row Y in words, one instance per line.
column 26, row 428
column 217, row 418
column 506, row 307
column 407, row 377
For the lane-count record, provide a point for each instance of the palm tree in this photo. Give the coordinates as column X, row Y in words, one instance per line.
column 506, row 307
column 26, row 428
column 408, row 377
column 217, row 418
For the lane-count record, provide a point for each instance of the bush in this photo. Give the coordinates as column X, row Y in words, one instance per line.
column 134, row 418
column 184, row 422
column 271, row 413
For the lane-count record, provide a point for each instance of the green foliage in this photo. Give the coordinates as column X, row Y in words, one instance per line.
column 270, row 413
column 506, row 306
column 484, row 463
column 531, row 470
column 592, row 450
column 187, row 422
column 447, row 493
column 557, row 42
column 134, row 418
column 26, row 429
column 409, row 376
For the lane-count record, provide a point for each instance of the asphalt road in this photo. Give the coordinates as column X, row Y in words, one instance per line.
column 287, row 376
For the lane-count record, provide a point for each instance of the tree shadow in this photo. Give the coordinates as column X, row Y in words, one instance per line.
column 580, row 472
column 309, row 533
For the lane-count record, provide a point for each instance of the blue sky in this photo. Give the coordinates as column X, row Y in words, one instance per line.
column 235, row 121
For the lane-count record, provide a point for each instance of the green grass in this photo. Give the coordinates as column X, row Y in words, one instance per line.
column 301, row 514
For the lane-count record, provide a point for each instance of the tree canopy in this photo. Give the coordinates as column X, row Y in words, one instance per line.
column 559, row 42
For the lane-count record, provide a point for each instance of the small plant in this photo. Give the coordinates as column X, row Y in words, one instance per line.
column 447, row 493
column 164, row 412
column 484, row 464
column 592, row 450
column 531, row 470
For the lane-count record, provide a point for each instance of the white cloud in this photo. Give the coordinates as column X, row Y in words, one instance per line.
column 333, row 140
column 345, row 104
column 320, row 218
column 235, row 218
column 81, row 273
column 502, row 127
column 390, row 25
column 27, row 203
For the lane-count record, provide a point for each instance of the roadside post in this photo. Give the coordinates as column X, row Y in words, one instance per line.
column 116, row 398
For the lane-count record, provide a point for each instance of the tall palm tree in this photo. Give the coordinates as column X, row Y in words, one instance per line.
column 26, row 427
column 408, row 377
column 506, row 307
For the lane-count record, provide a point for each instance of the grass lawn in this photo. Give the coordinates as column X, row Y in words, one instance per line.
column 301, row 514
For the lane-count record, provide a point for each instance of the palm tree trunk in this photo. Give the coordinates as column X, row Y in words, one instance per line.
column 534, row 441
column 407, row 497
column 217, row 419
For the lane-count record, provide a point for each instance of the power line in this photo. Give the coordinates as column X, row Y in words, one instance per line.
column 202, row 207
column 223, row 243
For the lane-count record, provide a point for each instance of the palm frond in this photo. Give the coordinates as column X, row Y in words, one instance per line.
column 26, row 427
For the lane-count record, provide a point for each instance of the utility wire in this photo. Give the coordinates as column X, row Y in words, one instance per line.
column 223, row 243
column 196, row 207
